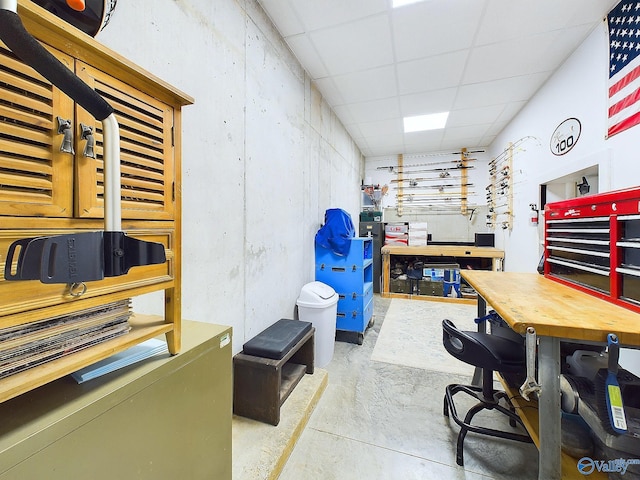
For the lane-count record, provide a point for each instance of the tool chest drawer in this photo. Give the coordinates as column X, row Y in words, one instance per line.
column 593, row 243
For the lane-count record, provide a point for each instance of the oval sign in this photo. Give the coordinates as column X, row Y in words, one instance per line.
column 565, row 136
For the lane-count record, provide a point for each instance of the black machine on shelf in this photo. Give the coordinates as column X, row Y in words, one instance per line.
column 93, row 18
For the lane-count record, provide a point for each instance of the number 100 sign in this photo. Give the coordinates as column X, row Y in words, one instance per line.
column 565, row 136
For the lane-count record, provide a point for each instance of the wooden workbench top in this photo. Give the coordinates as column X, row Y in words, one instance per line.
column 444, row 250
column 553, row 309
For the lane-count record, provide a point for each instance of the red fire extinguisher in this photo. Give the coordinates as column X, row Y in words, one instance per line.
column 533, row 215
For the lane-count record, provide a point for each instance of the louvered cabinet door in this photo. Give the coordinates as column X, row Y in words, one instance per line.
column 36, row 178
column 146, row 152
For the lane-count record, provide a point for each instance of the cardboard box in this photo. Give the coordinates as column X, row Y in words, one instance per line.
column 396, row 228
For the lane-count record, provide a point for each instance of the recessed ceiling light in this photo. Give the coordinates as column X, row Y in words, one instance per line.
column 420, row 123
column 402, row 3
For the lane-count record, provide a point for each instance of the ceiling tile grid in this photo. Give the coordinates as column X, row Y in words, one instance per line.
column 481, row 60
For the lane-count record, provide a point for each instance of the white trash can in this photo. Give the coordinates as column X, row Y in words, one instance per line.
column 318, row 304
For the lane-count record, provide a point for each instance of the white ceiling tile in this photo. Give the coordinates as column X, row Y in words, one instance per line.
column 435, row 27
column 496, row 128
column 564, row 43
column 317, row 14
column 537, row 17
column 508, row 59
column 374, row 110
column 395, row 140
column 499, row 91
column 351, row 47
column 382, row 128
column 480, row 59
column 386, row 145
column 469, row 132
column 306, row 54
column 429, row 136
column 363, row 86
column 329, row 91
column 343, row 112
column 433, row 73
column 509, row 111
column 487, row 139
column 428, row 102
column 474, row 116
column 283, row 17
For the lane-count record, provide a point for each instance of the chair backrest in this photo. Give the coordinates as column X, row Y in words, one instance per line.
column 462, row 346
column 482, row 349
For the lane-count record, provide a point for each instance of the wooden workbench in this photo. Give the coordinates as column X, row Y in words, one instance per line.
column 556, row 312
column 455, row 251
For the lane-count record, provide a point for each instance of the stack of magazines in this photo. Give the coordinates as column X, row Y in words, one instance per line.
column 32, row 344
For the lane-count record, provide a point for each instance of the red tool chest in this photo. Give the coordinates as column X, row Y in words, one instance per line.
column 592, row 243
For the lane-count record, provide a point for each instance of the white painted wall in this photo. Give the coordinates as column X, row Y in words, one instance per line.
column 263, row 156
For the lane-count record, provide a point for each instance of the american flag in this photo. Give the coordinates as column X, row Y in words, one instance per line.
column 624, row 66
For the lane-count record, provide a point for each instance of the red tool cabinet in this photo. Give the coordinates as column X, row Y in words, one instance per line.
column 592, row 243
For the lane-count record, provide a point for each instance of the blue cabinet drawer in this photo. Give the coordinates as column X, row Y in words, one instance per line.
column 354, row 321
column 346, row 279
column 353, row 303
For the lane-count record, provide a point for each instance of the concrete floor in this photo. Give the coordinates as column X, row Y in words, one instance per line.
column 383, row 419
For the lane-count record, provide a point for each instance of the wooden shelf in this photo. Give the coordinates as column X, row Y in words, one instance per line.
column 457, row 251
column 528, row 413
column 430, row 298
column 143, row 327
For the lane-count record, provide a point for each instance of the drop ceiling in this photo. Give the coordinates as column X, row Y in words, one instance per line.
column 480, row 60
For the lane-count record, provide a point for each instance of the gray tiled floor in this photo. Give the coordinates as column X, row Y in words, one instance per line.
column 380, row 420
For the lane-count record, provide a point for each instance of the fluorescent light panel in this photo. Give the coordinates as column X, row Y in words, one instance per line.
column 402, row 3
column 420, row 123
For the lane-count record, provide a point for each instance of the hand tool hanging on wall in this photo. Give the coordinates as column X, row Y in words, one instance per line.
column 75, row 258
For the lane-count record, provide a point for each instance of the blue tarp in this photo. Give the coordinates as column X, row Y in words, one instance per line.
column 337, row 231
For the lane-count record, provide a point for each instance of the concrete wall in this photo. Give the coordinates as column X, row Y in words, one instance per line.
column 263, row 156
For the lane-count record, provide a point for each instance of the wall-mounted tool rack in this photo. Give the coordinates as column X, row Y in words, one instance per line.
column 440, row 186
column 500, row 190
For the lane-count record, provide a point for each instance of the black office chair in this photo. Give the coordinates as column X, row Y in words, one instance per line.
column 491, row 353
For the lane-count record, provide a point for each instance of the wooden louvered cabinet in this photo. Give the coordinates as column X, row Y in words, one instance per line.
column 44, row 191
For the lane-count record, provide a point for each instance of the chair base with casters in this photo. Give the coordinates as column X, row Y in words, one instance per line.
column 491, row 353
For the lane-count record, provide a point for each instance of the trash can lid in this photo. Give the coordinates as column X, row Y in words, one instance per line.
column 317, row 295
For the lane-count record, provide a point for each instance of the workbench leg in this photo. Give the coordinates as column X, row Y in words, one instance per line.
column 549, row 408
column 386, row 275
column 482, row 311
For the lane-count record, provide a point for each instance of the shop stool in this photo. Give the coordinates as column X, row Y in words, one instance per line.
column 491, row 353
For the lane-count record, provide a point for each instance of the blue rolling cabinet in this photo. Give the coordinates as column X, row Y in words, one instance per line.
column 351, row 276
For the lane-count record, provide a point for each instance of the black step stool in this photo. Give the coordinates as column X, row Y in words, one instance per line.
column 269, row 367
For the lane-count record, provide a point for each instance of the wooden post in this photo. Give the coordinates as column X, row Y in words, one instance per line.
column 463, row 182
column 400, row 196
